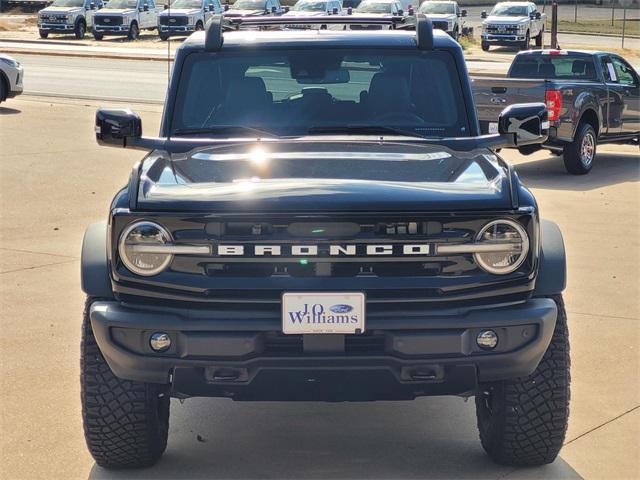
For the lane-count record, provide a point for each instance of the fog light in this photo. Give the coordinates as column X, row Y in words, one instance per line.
column 487, row 339
column 160, row 341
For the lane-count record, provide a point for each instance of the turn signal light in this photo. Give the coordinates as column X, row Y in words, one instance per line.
column 553, row 99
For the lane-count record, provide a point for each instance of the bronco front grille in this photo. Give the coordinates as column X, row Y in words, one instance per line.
column 322, row 237
column 247, row 280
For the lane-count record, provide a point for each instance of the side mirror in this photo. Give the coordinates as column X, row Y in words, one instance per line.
column 350, row 11
column 463, row 13
column 400, row 12
column 274, row 10
column 117, row 127
column 166, row 7
column 532, row 16
column 411, row 12
column 211, row 7
column 285, row 9
column 226, row 7
column 335, row 10
column 92, row 6
column 527, row 122
column 145, row 7
column 538, row 15
column 483, row 14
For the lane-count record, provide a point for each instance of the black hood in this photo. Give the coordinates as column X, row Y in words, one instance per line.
column 324, row 176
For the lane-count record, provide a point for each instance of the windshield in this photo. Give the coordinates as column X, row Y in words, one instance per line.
column 310, row 6
column 67, row 3
column 122, row 4
column 249, row 5
column 292, row 93
column 186, row 4
column 375, row 7
column 428, row 7
column 509, row 11
column 557, row 66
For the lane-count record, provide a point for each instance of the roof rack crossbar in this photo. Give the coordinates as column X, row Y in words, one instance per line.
column 218, row 24
column 232, row 22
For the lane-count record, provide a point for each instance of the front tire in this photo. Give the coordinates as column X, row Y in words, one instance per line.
column 43, row 34
column 579, row 155
column 80, row 30
column 134, row 31
column 527, row 42
column 126, row 423
column 98, row 36
column 540, row 39
column 523, row 422
column 164, row 36
column 485, row 46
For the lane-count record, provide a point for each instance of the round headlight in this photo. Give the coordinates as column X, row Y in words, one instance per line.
column 506, row 247
column 135, row 252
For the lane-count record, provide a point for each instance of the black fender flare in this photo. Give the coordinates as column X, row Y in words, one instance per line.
column 94, row 264
column 552, row 269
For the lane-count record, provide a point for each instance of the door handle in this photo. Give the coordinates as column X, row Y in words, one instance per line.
column 498, row 89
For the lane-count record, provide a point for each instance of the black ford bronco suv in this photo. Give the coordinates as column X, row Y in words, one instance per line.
column 320, row 219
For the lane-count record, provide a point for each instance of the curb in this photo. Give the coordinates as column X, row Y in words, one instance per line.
column 587, row 34
column 112, row 56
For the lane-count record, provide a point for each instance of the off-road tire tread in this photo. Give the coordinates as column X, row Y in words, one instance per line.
column 531, row 414
column 123, row 426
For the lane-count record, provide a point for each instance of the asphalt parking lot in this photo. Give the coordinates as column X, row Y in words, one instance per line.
column 55, row 180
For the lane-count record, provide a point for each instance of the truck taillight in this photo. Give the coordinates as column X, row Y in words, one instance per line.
column 553, row 99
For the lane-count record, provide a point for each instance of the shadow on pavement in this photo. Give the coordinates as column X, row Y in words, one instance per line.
column 427, row 438
column 608, row 169
column 8, row 111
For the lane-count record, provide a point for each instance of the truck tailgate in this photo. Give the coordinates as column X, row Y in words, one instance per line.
column 492, row 95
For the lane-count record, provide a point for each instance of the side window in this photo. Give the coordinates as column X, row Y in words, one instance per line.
column 608, row 70
column 623, row 71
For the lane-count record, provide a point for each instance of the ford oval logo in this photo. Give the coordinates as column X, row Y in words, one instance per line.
column 341, row 308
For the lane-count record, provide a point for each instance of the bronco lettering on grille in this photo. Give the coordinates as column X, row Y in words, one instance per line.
column 323, row 250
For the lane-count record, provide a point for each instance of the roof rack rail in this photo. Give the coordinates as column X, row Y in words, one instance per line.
column 219, row 24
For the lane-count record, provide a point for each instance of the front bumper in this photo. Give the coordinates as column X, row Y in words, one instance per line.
column 16, row 87
column 222, row 354
column 499, row 39
column 177, row 30
column 111, row 29
column 56, row 27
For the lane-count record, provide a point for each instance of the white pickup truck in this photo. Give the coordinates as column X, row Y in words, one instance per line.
column 126, row 17
column 513, row 24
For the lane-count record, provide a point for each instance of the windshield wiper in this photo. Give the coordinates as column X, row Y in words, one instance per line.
column 223, row 130
column 364, row 130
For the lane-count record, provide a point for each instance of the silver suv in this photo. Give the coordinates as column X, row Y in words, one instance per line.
column 68, row 16
column 126, row 17
column 186, row 16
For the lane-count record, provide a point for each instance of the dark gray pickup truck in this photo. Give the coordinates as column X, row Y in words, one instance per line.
column 591, row 97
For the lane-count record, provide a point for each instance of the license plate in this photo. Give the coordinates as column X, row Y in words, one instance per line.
column 493, row 127
column 326, row 312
